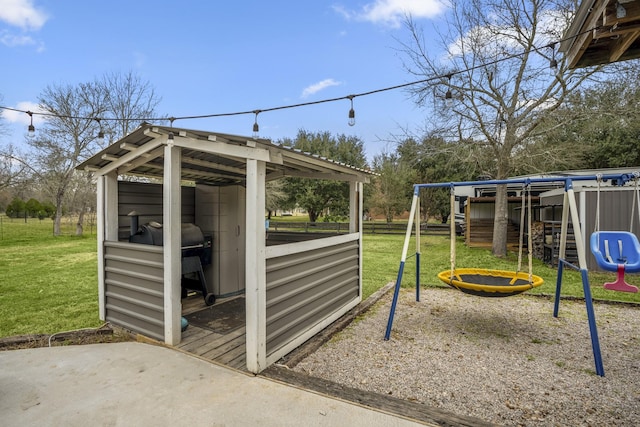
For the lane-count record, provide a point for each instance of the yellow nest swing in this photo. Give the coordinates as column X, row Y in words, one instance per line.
column 492, row 283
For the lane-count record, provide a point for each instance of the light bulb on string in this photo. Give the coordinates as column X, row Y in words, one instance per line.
column 553, row 64
column 448, row 96
column 352, row 112
column 256, row 127
column 31, row 128
column 100, row 131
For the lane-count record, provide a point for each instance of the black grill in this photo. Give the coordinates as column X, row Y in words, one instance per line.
column 196, row 253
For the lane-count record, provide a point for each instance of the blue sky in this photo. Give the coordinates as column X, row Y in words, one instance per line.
column 211, row 57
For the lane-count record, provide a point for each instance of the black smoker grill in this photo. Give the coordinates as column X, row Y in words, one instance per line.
column 196, row 253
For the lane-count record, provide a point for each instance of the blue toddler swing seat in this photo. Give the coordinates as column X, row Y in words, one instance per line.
column 617, row 251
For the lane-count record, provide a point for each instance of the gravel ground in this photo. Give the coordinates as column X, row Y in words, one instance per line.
column 504, row 360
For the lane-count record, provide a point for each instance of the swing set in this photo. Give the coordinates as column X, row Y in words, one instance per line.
column 621, row 248
column 621, row 251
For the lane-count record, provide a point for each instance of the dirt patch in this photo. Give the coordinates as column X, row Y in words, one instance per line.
column 103, row 334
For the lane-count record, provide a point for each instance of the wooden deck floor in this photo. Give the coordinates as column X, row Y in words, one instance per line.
column 228, row 348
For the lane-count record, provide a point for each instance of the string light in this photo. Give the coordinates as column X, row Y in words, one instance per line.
column 553, row 64
column 352, row 112
column 100, row 132
column 448, row 97
column 256, row 127
column 31, row 128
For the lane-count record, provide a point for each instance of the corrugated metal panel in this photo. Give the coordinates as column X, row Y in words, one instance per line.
column 146, row 199
column 304, row 288
column 134, row 290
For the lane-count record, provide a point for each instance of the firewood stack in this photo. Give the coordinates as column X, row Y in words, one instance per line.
column 537, row 238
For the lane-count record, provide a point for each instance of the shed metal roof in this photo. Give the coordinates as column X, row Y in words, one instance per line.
column 213, row 158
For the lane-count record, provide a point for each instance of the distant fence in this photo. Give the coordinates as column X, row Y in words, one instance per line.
column 343, row 227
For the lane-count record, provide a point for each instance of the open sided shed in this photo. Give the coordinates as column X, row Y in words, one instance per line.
column 293, row 289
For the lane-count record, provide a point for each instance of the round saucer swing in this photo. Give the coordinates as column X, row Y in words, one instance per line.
column 489, row 283
column 493, row 283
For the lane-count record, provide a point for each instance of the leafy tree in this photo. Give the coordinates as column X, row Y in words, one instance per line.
column 275, row 196
column 33, row 207
column 436, row 160
column 48, row 210
column 392, row 189
column 16, row 209
column 318, row 196
column 496, row 73
column 601, row 123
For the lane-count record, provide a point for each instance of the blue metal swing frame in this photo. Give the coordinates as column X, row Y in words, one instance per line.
column 569, row 208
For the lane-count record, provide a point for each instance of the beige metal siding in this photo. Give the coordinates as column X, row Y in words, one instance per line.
column 305, row 288
column 146, row 199
column 134, row 287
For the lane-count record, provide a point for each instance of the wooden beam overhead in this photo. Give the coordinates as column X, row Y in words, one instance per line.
column 603, row 31
column 582, row 41
column 146, row 158
column 212, row 165
column 622, row 45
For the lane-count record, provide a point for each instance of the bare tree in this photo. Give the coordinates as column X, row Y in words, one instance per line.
column 69, row 136
column 75, row 117
column 496, row 72
column 12, row 172
column 129, row 100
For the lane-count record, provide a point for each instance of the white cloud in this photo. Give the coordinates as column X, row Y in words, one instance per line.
column 20, row 117
column 12, row 40
column 499, row 39
column 23, row 14
column 392, row 12
column 317, row 87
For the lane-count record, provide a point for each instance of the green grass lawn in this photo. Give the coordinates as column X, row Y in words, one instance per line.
column 382, row 260
column 49, row 284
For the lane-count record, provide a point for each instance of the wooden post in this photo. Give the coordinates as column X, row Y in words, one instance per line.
column 255, row 268
column 107, row 206
column 172, row 236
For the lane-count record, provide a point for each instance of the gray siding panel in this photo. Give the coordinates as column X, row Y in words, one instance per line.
column 616, row 205
column 146, row 199
column 305, row 288
column 134, row 290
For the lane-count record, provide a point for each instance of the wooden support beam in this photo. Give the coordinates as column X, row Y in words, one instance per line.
column 255, row 268
column 172, row 244
column 223, row 149
column 213, row 165
column 582, row 41
column 622, row 44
